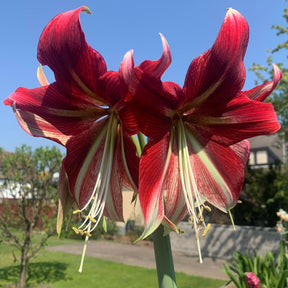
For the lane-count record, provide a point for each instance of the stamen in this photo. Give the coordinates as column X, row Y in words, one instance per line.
column 75, row 230
column 76, row 211
column 189, row 186
column 100, row 191
column 83, row 254
column 87, row 233
column 200, row 212
column 92, row 219
column 207, row 208
column 206, row 229
column 99, row 194
column 199, row 250
column 232, row 220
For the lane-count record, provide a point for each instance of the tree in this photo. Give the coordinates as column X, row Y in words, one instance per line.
column 264, row 193
column 270, row 186
column 29, row 197
column 279, row 98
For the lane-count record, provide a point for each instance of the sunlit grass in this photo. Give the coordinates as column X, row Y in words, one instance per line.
column 60, row 270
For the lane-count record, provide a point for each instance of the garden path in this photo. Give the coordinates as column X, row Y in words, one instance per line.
column 142, row 255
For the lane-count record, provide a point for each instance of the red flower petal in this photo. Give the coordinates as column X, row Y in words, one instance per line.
column 158, row 67
column 94, row 170
column 85, row 148
column 218, row 74
column 240, row 119
column 151, row 121
column 38, row 127
column 55, row 109
column 130, row 162
column 153, row 165
column 175, row 205
column 77, row 67
column 84, row 162
column 218, row 169
column 110, row 86
column 261, row 92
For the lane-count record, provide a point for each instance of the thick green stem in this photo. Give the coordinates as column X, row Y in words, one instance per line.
column 164, row 259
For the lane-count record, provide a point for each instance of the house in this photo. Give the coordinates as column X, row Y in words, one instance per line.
column 267, row 150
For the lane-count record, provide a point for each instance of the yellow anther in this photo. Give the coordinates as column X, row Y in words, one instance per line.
column 75, row 230
column 76, row 211
column 239, row 201
column 87, row 233
column 206, row 229
column 207, row 208
column 92, row 219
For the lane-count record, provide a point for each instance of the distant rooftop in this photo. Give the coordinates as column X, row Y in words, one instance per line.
column 266, row 149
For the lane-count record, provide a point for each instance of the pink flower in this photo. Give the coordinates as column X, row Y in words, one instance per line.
column 252, row 280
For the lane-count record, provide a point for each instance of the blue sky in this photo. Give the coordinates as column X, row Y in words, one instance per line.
column 118, row 26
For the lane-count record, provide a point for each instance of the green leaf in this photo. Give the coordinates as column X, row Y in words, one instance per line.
column 283, row 280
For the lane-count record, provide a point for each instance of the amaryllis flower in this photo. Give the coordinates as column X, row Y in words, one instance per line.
column 197, row 150
column 252, row 280
column 83, row 110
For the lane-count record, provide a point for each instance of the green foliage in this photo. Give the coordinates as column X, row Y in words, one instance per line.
column 30, row 187
column 29, row 199
column 279, row 97
column 271, row 272
column 265, row 191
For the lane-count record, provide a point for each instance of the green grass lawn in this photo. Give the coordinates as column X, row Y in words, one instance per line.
column 60, row 270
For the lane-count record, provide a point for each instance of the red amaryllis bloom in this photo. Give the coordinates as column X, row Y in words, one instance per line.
column 252, row 280
column 84, row 111
column 197, row 150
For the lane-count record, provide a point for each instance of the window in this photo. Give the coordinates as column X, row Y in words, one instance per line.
column 252, row 159
column 261, row 157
